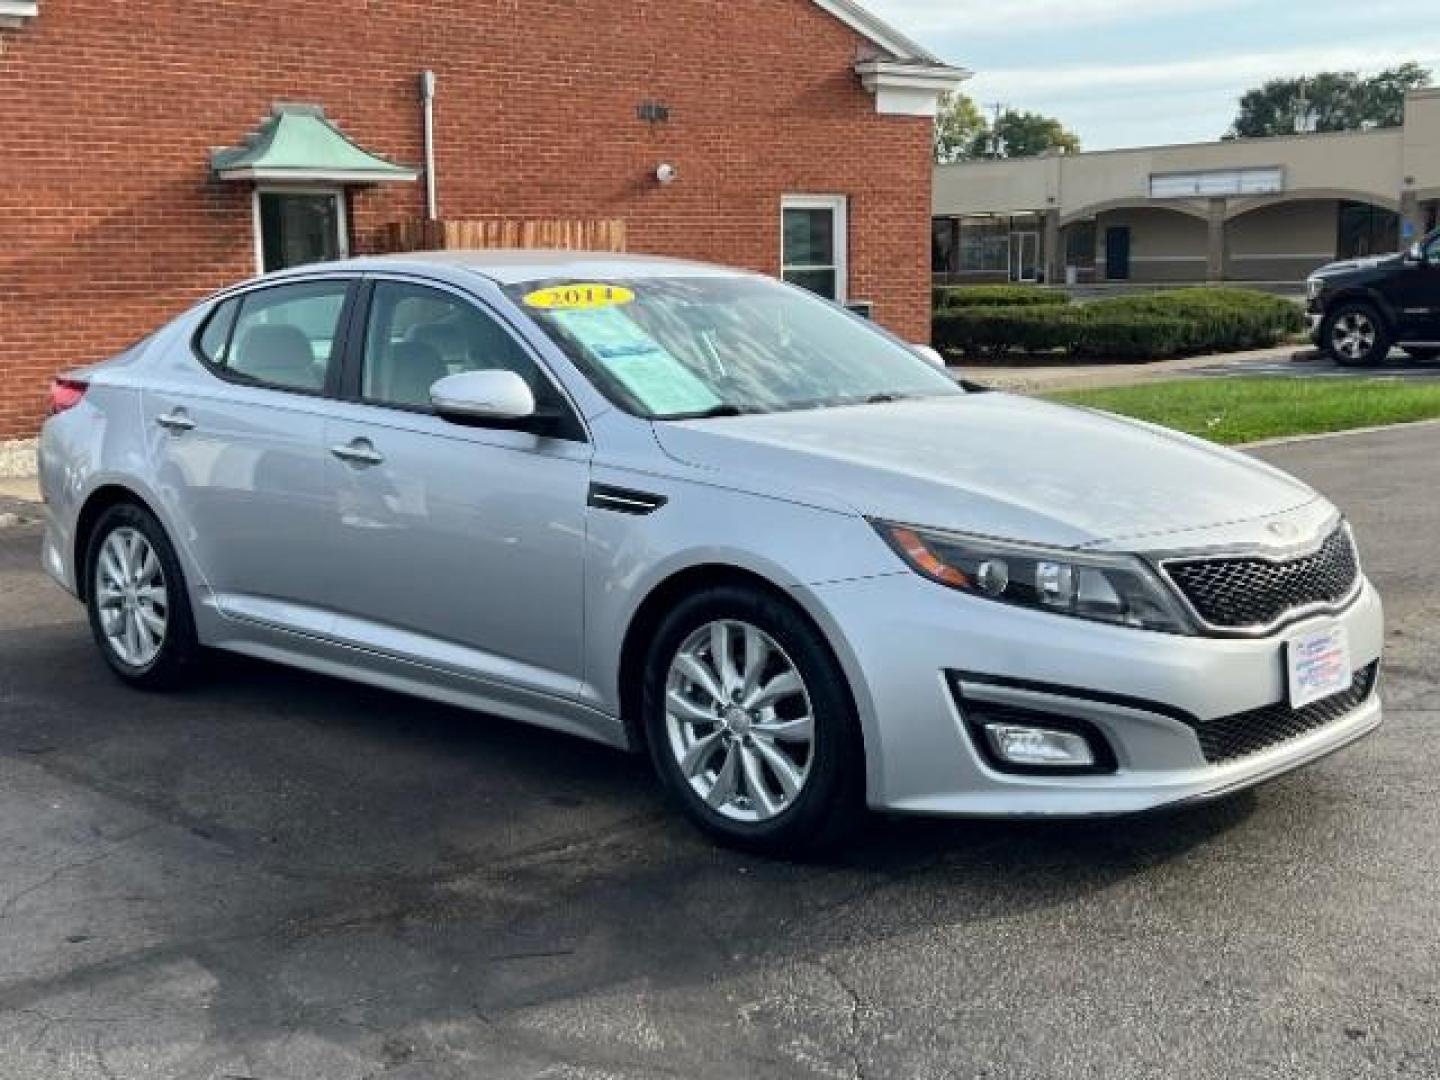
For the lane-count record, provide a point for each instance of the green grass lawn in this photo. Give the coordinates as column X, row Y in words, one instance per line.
column 1248, row 409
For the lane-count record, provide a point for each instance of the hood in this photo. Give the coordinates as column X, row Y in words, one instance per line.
column 991, row 464
column 1349, row 266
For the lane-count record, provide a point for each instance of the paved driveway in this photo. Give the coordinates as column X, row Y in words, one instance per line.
column 279, row 876
column 1310, row 364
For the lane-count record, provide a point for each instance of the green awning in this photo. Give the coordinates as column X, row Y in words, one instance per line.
column 298, row 143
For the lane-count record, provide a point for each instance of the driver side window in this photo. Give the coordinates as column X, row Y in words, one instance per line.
column 416, row 336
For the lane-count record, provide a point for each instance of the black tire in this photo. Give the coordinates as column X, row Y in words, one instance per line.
column 180, row 649
column 1343, row 322
column 831, row 803
column 1423, row 355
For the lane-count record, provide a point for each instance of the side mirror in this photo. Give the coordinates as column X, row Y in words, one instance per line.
column 932, row 355
column 481, row 397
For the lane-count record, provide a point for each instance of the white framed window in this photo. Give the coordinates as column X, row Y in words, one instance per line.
column 17, row 12
column 814, row 232
column 1218, row 182
column 295, row 226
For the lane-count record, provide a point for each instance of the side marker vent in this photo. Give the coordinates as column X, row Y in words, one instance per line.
column 625, row 500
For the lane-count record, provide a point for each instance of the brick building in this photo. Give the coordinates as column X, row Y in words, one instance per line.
column 147, row 156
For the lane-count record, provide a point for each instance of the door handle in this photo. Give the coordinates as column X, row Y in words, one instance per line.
column 358, row 452
column 176, row 421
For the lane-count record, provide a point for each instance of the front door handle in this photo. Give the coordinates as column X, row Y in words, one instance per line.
column 358, row 452
column 176, row 421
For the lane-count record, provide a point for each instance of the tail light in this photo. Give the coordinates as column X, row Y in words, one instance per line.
column 66, row 394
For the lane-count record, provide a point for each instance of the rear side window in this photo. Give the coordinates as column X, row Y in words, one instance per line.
column 284, row 337
column 214, row 340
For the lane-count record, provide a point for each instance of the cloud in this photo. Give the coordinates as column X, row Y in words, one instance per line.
column 929, row 19
column 1113, row 105
column 1237, row 72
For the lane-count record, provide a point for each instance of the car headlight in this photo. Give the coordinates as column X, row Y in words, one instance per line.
column 1314, row 287
column 1117, row 589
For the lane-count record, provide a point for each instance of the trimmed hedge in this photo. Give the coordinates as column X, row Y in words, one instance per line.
column 1128, row 328
column 1073, row 330
column 1221, row 320
column 973, row 296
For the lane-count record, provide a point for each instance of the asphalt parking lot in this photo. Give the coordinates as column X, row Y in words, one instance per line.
column 279, row 876
column 1311, row 364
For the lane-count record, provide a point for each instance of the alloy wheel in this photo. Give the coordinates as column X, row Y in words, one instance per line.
column 1353, row 335
column 739, row 721
column 132, row 598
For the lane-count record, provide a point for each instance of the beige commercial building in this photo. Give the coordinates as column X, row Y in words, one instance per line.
column 1246, row 210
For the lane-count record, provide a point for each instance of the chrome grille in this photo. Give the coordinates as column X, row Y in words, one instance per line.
column 1248, row 593
column 1247, row 733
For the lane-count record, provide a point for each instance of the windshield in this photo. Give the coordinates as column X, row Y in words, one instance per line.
column 685, row 347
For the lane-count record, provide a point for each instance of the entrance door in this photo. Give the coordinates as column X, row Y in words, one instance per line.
column 295, row 227
column 1117, row 253
column 1025, row 256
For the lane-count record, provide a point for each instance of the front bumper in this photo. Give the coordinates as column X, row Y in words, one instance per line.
column 1141, row 691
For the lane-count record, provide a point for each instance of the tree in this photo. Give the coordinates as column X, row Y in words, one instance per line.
column 1027, row 134
column 957, row 126
column 963, row 134
column 1329, row 101
column 1385, row 93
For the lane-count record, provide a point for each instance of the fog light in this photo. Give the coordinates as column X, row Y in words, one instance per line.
column 1039, row 746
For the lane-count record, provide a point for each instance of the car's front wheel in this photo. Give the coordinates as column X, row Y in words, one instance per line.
column 1355, row 335
column 751, row 724
column 136, row 599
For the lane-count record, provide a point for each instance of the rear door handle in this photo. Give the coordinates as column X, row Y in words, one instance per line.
column 176, row 421
column 358, row 452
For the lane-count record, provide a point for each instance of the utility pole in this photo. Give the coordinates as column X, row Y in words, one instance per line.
column 1304, row 121
column 997, row 143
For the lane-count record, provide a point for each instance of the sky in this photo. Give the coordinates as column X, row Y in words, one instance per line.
column 1140, row 72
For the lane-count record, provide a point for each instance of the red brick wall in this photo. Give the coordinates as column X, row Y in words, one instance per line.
column 110, row 222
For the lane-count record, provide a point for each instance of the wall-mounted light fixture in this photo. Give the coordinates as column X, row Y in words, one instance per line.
column 667, row 174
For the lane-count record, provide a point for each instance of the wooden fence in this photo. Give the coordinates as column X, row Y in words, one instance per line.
column 594, row 235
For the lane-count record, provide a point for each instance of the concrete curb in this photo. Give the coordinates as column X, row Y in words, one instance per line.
column 1321, row 436
column 17, row 458
column 1044, row 379
column 15, row 513
column 23, row 490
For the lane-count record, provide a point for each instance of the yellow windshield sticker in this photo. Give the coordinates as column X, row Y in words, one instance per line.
column 582, row 296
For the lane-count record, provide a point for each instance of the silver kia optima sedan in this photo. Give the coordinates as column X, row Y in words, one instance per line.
column 704, row 515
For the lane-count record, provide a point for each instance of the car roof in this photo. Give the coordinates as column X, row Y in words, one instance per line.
column 513, row 266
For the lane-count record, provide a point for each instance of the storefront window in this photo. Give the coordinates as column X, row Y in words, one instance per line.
column 1367, row 230
column 943, row 252
column 1080, row 245
column 984, row 246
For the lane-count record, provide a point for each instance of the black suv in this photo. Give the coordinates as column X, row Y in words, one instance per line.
column 1360, row 309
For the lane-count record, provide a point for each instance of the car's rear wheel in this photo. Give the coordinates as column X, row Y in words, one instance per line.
column 1355, row 335
column 136, row 598
column 751, row 725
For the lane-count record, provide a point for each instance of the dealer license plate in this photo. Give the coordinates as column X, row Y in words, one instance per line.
column 1319, row 665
